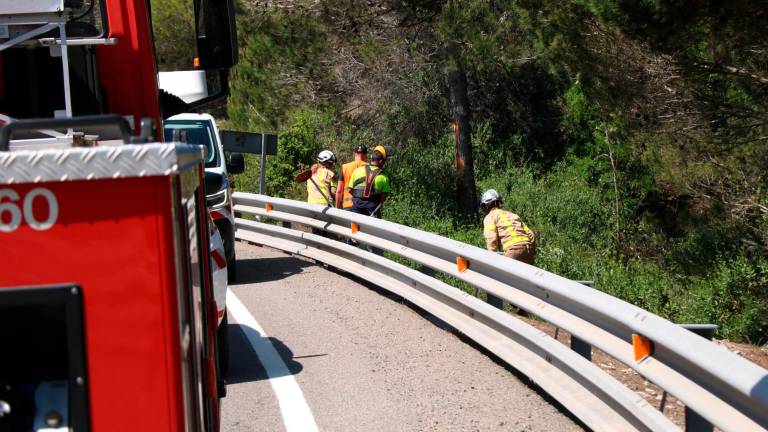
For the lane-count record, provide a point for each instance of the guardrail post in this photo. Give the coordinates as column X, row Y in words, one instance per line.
column 494, row 301
column 694, row 421
column 582, row 348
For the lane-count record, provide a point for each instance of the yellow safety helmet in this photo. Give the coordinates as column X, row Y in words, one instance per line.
column 381, row 150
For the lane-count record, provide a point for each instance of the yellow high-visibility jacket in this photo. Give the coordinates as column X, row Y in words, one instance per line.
column 325, row 179
column 502, row 228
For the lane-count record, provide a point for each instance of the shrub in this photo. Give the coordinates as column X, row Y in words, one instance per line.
column 733, row 296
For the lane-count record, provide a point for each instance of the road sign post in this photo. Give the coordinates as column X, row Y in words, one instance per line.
column 262, row 167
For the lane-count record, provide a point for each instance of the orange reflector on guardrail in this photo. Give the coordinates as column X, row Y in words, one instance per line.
column 268, row 207
column 643, row 347
column 355, row 227
column 462, row 263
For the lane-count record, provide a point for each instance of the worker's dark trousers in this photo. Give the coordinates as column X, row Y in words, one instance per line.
column 349, row 240
column 366, row 208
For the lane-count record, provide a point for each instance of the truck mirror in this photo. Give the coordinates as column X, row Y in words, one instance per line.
column 212, row 182
column 216, row 33
column 236, row 164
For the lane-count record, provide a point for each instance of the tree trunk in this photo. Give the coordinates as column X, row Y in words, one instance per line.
column 462, row 126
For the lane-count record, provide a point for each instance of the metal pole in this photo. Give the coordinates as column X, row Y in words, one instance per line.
column 263, row 166
column 65, row 71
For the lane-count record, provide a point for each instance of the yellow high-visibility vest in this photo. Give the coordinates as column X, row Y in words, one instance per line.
column 324, row 179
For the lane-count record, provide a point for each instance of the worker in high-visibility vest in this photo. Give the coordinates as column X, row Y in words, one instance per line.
column 321, row 187
column 504, row 231
column 343, row 197
column 369, row 186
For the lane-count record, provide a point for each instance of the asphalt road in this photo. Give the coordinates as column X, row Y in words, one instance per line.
column 356, row 359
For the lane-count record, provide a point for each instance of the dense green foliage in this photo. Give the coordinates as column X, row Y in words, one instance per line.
column 630, row 135
column 173, row 25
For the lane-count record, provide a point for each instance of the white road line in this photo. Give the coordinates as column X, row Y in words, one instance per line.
column 297, row 416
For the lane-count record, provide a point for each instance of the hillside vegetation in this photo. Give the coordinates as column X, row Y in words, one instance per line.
column 630, row 135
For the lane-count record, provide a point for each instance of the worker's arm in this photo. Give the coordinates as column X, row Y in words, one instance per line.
column 383, row 186
column 491, row 234
column 492, row 242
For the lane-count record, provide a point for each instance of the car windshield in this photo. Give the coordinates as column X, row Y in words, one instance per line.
column 198, row 132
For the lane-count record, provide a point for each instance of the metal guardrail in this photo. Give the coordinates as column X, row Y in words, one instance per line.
column 724, row 388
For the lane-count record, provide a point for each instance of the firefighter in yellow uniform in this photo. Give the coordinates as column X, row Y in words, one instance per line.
column 504, row 231
column 321, row 187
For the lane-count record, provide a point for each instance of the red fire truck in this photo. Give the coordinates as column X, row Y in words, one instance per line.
column 107, row 314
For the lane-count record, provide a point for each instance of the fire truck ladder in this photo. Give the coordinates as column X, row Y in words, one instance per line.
column 45, row 17
column 21, row 23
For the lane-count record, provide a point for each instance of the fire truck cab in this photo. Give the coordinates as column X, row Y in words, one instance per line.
column 106, row 294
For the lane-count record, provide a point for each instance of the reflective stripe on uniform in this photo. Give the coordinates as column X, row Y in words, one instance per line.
column 514, row 237
column 514, row 242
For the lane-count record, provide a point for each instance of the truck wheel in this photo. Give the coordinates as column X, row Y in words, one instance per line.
column 222, row 342
column 232, row 270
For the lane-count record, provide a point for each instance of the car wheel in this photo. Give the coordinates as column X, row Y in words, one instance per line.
column 232, row 270
column 222, row 342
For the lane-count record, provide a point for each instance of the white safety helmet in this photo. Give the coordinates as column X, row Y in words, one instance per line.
column 490, row 196
column 326, row 156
